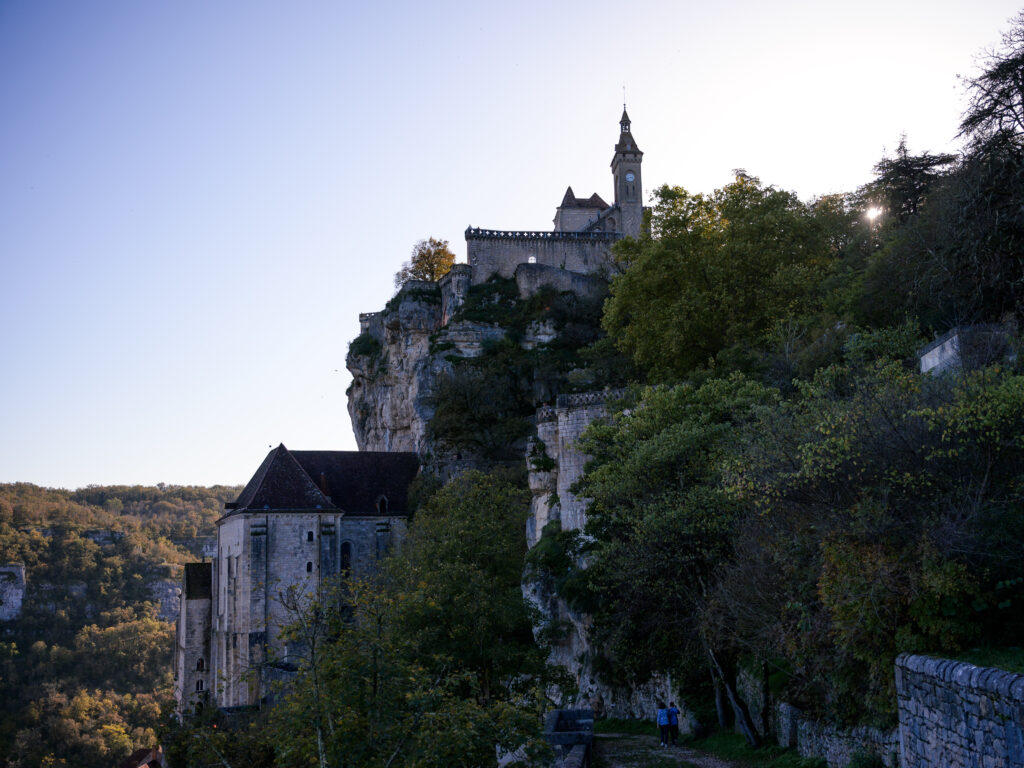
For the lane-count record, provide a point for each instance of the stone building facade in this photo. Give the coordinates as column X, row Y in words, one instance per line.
column 305, row 520
column 585, row 228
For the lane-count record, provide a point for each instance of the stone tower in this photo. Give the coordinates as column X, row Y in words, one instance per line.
column 628, row 188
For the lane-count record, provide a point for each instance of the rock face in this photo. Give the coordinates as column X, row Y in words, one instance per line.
column 396, row 363
column 12, row 590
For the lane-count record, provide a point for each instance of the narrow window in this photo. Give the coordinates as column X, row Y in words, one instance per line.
column 199, row 685
column 382, row 505
column 346, row 557
column 309, row 535
column 199, row 666
column 309, row 567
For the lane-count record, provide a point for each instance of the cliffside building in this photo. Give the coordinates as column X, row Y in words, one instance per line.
column 584, row 229
column 305, row 519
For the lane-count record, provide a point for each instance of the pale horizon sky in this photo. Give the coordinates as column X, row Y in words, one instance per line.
column 198, row 199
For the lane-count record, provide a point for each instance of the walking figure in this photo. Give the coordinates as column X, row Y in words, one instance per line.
column 673, row 722
column 663, row 723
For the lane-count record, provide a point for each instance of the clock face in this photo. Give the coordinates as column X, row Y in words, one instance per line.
column 630, row 176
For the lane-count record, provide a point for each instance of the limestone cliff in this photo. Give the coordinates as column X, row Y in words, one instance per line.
column 482, row 358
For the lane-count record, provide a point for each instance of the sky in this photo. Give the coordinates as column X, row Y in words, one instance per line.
column 198, row 199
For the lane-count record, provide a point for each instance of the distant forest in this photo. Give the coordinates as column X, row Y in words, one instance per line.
column 85, row 670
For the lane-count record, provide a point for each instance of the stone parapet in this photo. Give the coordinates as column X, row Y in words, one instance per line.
column 476, row 233
column 954, row 714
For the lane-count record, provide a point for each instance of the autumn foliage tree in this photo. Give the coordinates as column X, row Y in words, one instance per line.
column 430, row 260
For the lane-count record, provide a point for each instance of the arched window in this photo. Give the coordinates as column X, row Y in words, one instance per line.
column 199, row 686
column 199, row 666
column 532, row 260
column 346, row 556
column 309, row 567
column 382, row 505
column 309, row 535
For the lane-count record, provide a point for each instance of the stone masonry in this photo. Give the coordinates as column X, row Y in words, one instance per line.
column 956, row 715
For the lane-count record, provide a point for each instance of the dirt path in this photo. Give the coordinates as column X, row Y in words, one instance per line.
column 626, row 750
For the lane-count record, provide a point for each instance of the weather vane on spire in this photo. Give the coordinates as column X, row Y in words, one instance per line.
column 623, row 97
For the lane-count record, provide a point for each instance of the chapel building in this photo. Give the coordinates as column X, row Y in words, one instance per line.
column 305, row 518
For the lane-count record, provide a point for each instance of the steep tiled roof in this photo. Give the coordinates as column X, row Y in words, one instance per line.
column 350, row 481
column 569, row 200
column 355, row 480
column 280, row 483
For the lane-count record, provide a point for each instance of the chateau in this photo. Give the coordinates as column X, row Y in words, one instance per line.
column 309, row 517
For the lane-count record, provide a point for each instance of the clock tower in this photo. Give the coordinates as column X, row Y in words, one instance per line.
column 628, row 189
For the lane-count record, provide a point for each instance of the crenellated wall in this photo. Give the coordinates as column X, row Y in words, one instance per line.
column 498, row 252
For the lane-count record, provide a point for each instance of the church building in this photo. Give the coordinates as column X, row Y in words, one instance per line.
column 305, row 518
column 585, row 228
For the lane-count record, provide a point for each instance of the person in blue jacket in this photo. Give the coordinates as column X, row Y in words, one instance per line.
column 673, row 722
column 663, row 723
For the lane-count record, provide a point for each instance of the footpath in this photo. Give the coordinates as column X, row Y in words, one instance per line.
column 628, row 750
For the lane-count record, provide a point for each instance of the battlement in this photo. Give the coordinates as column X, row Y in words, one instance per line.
column 365, row 319
column 581, row 399
column 476, row 233
column 546, row 413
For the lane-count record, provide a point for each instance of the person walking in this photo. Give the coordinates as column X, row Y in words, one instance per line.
column 673, row 722
column 663, row 723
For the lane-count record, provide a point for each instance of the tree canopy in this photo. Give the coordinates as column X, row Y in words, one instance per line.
column 430, row 260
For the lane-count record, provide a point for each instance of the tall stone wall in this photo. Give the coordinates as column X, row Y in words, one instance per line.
column 559, row 428
column 956, row 715
column 530, row 278
column 493, row 252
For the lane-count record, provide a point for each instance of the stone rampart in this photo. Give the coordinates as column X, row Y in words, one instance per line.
column 956, row 715
column 498, row 252
column 530, row 278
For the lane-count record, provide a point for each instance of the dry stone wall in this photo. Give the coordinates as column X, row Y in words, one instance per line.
column 956, row 715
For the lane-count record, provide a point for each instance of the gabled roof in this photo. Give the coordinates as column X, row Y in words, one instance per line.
column 569, row 200
column 349, row 481
column 280, row 483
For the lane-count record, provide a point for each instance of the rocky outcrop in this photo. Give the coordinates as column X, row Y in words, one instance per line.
column 397, row 362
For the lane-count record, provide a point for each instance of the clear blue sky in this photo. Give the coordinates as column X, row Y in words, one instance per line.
column 197, row 199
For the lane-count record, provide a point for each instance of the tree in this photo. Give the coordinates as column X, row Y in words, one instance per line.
column 662, row 520
column 995, row 112
column 903, row 182
column 719, row 274
column 430, row 260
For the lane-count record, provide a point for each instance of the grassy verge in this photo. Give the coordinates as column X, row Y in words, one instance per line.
column 730, row 746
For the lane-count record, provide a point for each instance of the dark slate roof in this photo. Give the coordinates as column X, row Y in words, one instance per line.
column 571, row 201
column 349, row 481
column 198, row 578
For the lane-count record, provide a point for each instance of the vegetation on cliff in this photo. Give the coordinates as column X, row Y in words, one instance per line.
column 792, row 495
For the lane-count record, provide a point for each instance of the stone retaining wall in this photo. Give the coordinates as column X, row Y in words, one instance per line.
column 956, row 715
